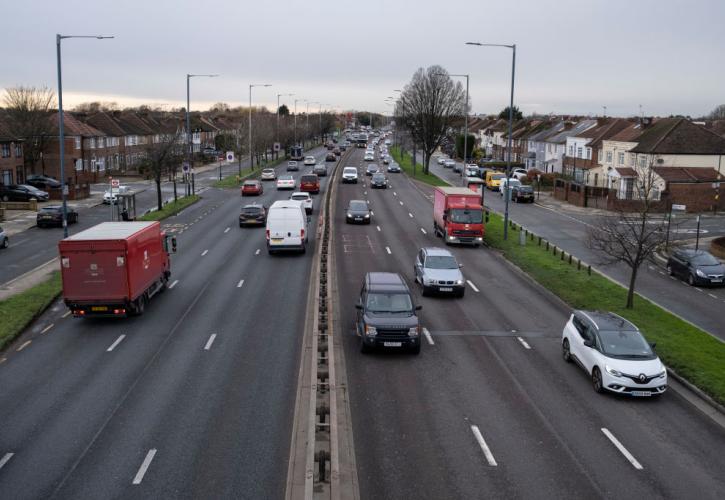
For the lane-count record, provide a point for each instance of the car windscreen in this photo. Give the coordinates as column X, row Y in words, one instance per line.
column 250, row 184
column 389, row 303
column 350, row 170
column 300, row 197
column 497, row 177
column 50, row 209
column 378, row 177
column 441, row 262
column 704, row 259
column 525, row 189
column 466, row 216
column 286, row 178
column 308, row 178
column 251, row 210
column 358, row 206
column 627, row 344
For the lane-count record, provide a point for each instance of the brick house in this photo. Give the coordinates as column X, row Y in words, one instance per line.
column 583, row 150
column 11, row 157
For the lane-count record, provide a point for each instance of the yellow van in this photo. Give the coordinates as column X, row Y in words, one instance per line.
column 493, row 180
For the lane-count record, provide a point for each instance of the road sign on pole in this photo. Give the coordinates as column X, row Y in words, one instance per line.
column 679, row 207
column 277, row 146
column 115, row 183
column 230, row 156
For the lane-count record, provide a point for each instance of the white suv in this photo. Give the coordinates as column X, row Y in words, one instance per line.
column 614, row 353
column 349, row 174
column 303, row 198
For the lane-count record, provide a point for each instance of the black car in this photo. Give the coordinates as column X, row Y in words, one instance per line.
column 53, row 216
column 253, row 215
column 522, row 193
column 394, row 168
column 697, row 267
column 379, row 181
column 330, row 157
column 358, row 212
column 371, row 169
column 43, row 182
column 22, row 192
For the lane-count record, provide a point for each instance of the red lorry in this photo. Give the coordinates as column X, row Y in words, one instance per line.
column 458, row 215
column 114, row 268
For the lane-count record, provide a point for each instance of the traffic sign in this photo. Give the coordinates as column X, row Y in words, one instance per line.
column 277, row 146
column 679, row 207
column 185, row 166
column 115, row 183
column 230, row 155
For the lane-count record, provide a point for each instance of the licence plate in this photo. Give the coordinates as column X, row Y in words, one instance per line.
column 277, row 240
column 99, row 308
column 446, row 289
column 46, row 216
column 716, row 281
column 392, row 344
column 641, row 393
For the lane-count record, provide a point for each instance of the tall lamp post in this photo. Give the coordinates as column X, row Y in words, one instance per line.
column 511, row 120
column 188, row 125
column 251, row 158
column 61, row 133
column 278, row 96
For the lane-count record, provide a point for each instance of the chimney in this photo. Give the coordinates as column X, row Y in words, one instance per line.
column 602, row 120
column 645, row 122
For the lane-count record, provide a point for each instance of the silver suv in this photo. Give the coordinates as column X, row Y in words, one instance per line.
column 437, row 271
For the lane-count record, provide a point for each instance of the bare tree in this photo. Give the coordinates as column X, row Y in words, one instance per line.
column 163, row 155
column 428, row 105
column 634, row 234
column 28, row 111
column 718, row 113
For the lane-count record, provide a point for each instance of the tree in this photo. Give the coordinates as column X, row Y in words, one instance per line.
column 460, row 142
column 718, row 113
column 163, row 155
column 283, row 110
column 504, row 114
column 28, row 111
column 632, row 235
column 95, row 107
column 428, row 105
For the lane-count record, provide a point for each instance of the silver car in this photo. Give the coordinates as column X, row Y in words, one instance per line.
column 437, row 271
column 3, row 239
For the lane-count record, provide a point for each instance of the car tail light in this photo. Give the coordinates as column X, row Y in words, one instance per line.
column 267, row 233
column 302, row 233
column 79, row 312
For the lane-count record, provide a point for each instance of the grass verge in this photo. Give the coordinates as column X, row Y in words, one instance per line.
column 235, row 180
column 405, row 161
column 171, row 208
column 19, row 310
column 690, row 351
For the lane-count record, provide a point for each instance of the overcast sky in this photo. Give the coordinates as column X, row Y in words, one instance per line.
column 573, row 56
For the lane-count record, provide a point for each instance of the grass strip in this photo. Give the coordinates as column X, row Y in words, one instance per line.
column 405, row 161
column 171, row 208
column 18, row 311
column 690, row 351
column 236, row 180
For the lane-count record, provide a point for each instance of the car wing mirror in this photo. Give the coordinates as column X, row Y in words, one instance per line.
column 653, row 345
column 358, row 305
column 460, row 266
column 418, row 307
column 588, row 343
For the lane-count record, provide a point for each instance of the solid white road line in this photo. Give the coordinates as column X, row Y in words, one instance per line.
column 227, row 230
column 26, row 344
column 387, row 249
column 210, row 342
column 622, row 449
column 5, row 459
column 699, row 289
column 67, row 313
column 423, row 231
column 47, row 328
column 239, row 285
column 118, row 341
column 144, row 466
column 524, row 343
column 482, row 443
column 411, row 215
column 204, row 253
column 472, row 286
column 257, row 252
column 428, row 336
column 378, row 227
column 172, row 285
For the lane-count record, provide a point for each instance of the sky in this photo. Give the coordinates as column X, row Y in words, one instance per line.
column 573, row 56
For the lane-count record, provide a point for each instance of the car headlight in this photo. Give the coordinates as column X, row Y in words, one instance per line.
column 612, row 371
column 370, row 331
column 700, row 273
column 428, row 281
column 367, row 216
column 459, row 282
column 349, row 215
column 414, row 331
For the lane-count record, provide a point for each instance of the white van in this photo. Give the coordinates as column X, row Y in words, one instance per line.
column 286, row 226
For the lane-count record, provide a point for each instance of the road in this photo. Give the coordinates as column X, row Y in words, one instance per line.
column 700, row 306
column 494, row 362
column 194, row 399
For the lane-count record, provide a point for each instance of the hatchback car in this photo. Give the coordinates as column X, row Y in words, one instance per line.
column 697, row 267
column 309, row 160
column 53, row 216
column 349, row 174
column 22, row 192
column 519, row 173
column 522, row 193
column 286, row 181
column 379, row 181
column 4, row 241
column 320, row 169
column 371, row 169
column 253, row 215
column 436, row 270
column 394, row 168
column 252, row 187
column 310, row 183
column 369, row 156
column 449, row 164
column 305, row 199
column 330, row 157
column 268, row 174
column 292, row 166
column 614, row 353
column 358, row 212
column 42, row 182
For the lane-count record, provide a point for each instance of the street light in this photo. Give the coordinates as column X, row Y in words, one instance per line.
column 511, row 119
column 465, row 134
column 251, row 159
column 188, row 127
column 61, row 133
column 278, row 96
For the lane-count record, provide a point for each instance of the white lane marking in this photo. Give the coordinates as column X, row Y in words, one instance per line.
column 387, row 249
column 5, row 459
column 227, row 230
column 713, row 296
column 26, row 344
column 365, row 193
column 239, row 285
column 395, row 194
column 662, row 273
column 411, row 215
column 172, row 285
column 423, row 231
column 115, row 344
column 67, row 313
column 144, row 466
column 523, row 343
column 428, row 336
column 401, row 203
column 47, row 328
column 204, row 253
column 257, row 252
column 472, row 286
column 378, row 227
column 210, row 342
column 700, row 290
column 482, row 443
column 372, row 213
column 622, row 449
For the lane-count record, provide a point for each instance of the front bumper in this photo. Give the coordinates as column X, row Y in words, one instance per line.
column 464, row 240
column 445, row 289
column 393, row 342
column 627, row 386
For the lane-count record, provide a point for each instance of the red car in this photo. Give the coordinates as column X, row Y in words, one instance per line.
column 310, row 183
column 252, row 188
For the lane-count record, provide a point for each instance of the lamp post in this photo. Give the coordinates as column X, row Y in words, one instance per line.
column 511, row 119
column 307, row 120
column 61, row 133
column 251, row 158
column 278, row 96
column 188, row 125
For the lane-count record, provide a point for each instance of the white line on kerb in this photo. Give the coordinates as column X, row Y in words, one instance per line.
column 395, row 194
column 423, row 231
column 47, row 328
column 26, row 344
column 5, row 459
column 227, row 230
column 172, row 285
column 372, row 213
column 144, row 466
column 210, row 342
column 713, row 296
column 118, row 341
column 257, row 252
column 428, row 336
column 67, row 313
column 411, row 215
column 378, row 227
column 622, row 449
column 204, row 253
column 482, row 443
column 239, row 285
column 472, row 286
column 387, row 249
column 524, row 343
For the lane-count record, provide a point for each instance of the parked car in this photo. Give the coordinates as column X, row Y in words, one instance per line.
column 386, row 314
column 22, row 192
column 253, row 215
column 252, row 187
column 310, row 183
column 379, row 181
column 43, row 182
column 330, row 157
column 522, row 193
column 614, row 353
column 393, row 168
column 112, row 195
column 441, row 160
column 286, row 181
column 305, row 199
column 292, row 166
column 53, row 216
column 4, row 241
column 436, row 270
column 371, row 169
column 519, row 173
column 697, row 267
column 320, row 169
column 268, row 174
column 471, row 171
column 358, row 212
column 349, row 174
column 309, row 160
column 507, row 184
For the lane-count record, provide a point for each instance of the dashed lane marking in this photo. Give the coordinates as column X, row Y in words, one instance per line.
column 115, row 344
column 5, row 459
column 622, row 449
column 227, row 230
column 204, row 253
column 713, row 296
column 24, row 345
column 428, row 336
column 423, row 231
column 472, row 286
column 47, row 328
column 387, row 249
column 482, row 443
column 210, row 342
column 257, row 252
column 378, row 227
column 67, row 313
column 401, row 203
column 172, row 285
column 395, row 194
column 524, row 343
column 241, row 282
column 410, row 215
column 144, row 466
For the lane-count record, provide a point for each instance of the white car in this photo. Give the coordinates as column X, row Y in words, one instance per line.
column 369, row 157
column 349, row 174
column 441, row 160
column 268, row 174
column 614, row 354
column 519, row 173
column 309, row 160
column 286, row 182
column 108, row 198
column 449, row 163
column 305, row 199
column 387, row 142
column 508, row 184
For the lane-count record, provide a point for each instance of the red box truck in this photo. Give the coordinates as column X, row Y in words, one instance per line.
column 458, row 215
column 114, row 268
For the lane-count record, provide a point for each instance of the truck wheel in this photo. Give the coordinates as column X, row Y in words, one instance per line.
column 140, row 305
column 364, row 348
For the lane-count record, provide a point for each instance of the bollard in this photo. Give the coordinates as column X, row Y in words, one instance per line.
column 589, row 270
column 578, row 264
column 562, row 255
column 547, row 246
column 522, row 238
column 569, row 259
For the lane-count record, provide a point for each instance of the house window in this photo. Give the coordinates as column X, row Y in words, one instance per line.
column 620, row 158
column 18, row 151
column 642, row 161
column 101, row 142
column 599, row 156
column 571, row 150
column 609, row 157
column 632, row 159
column 79, row 164
column 77, row 142
column 589, row 153
column 6, row 150
column 7, row 177
column 579, row 152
